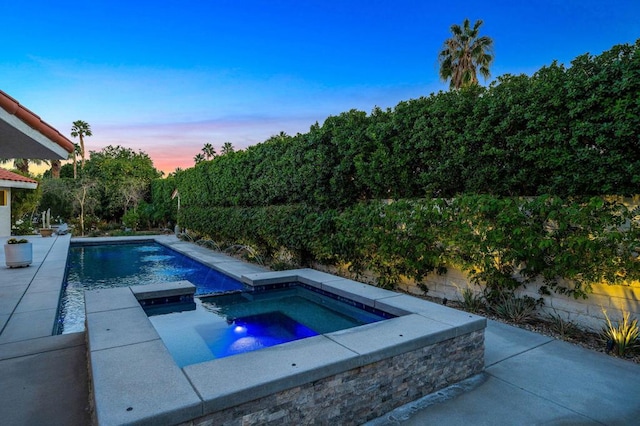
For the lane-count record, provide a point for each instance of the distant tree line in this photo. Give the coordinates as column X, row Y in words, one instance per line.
column 112, row 187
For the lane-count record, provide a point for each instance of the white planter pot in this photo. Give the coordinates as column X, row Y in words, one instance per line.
column 17, row 255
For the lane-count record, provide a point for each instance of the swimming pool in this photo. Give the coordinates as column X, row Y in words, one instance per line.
column 342, row 377
column 101, row 266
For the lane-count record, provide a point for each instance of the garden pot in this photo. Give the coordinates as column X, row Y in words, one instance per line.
column 18, row 255
column 46, row 232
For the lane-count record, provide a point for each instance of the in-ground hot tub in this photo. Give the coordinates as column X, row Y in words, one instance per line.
column 343, row 377
column 218, row 326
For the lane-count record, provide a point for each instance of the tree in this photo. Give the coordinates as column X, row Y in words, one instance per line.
column 76, row 150
column 199, row 158
column 55, row 169
column 227, row 148
column 84, row 200
column 464, row 54
column 22, row 164
column 133, row 191
column 24, row 202
column 209, row 151
column 80, row 129
column 114, row 168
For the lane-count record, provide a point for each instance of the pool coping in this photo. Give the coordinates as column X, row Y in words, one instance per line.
column 126, row 354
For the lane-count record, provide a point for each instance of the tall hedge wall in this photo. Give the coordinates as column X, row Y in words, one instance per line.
column 585, row 240
column 571, row 132
column 562, row 131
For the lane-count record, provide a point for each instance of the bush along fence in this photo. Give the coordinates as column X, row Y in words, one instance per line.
column 502, row 244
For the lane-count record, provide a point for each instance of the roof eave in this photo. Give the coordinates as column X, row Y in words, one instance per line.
column 25, row 135
column 18, row 185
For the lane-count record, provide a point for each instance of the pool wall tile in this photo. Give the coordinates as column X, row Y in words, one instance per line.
column 141, row 384
column 222, row 384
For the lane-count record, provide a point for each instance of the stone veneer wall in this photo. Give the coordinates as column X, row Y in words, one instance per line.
column 363, row 393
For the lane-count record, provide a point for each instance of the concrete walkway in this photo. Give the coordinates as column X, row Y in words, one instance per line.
column 532, row 379
column 529, row 378
column 43, row 378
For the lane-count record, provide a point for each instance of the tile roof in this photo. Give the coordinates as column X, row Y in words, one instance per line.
column 13, row 107
column 14, row 177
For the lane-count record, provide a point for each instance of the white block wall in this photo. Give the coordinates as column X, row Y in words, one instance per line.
column 5, row 215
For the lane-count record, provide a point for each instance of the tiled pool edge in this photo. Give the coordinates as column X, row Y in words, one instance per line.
column 135, row 380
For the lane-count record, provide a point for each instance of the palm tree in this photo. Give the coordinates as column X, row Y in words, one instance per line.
column 80, row 129
column 464, row 54
column 55, row 169
column 22, row 164
column 227, row 148
column 209, row 151
column 76, row 150
column 199, row 158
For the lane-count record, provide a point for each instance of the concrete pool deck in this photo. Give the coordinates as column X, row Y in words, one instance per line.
column 528, row 378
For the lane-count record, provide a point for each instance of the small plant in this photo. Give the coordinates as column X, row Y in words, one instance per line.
column 283, row 259
column 516, row 309
column 423, row 288
column 559, row 325
column 22, row 227
column 471, row 301
column 17, row 241
column 623, row 336
column 131, row 219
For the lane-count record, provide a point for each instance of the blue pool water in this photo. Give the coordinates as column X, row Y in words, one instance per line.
column 91, row 267
column 225, row 318
column 226, row 325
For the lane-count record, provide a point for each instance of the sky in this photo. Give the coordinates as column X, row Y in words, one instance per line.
column 166, row 77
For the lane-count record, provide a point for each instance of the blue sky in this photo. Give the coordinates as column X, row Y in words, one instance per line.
column 166, row 77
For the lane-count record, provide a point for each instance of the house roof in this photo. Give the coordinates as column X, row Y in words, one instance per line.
column 23, row 134
column 13, row 180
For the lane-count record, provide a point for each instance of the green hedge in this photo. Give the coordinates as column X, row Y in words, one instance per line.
column 564, row 131
column 571, row 132
column 584, row 241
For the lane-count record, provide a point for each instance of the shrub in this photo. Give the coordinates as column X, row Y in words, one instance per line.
column 516, row 309
column 564, row 328
column 623, row 335
column 22, row 227
column 472, row 301
column 131, row 219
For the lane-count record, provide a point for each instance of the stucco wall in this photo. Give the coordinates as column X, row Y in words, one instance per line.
column 5, row 215
column 587, row 313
